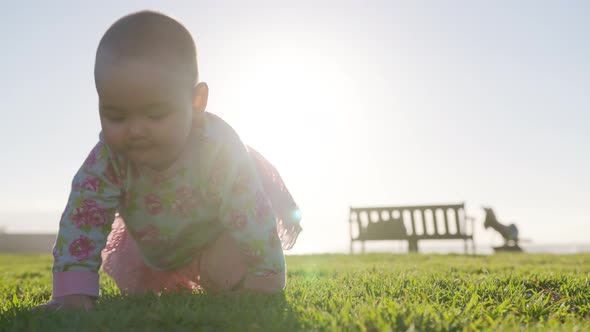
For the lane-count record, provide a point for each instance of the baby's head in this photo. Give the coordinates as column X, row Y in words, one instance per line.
column 146, row 77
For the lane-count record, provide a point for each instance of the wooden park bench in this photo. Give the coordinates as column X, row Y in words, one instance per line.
column 410, row 223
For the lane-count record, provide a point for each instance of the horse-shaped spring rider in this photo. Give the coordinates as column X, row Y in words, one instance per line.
column 509, row 233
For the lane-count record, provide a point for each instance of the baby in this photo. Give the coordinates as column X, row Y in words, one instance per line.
column 170, row 198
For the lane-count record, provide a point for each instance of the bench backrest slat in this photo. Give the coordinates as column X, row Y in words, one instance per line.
column 446, row 220
column 434, row 223
column 423, row 217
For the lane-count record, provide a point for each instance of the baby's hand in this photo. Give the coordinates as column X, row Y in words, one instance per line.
column 69, row 302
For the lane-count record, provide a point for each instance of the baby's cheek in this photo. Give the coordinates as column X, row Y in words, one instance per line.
column 175, row 133
column 114, row 139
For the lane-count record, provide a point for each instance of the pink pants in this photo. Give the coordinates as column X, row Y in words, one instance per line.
column 219, row 267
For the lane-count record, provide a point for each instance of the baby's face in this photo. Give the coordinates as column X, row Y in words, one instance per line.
column 146, row 112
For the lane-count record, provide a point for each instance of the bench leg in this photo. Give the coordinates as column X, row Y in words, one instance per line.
column 412, row 245
column 363, row 247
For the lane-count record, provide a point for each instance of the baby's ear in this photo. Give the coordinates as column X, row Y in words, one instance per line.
column 201, row 94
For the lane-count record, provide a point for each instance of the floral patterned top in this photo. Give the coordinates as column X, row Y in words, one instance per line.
column 213, row 187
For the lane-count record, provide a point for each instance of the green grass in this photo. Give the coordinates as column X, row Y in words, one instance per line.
column 335, row 292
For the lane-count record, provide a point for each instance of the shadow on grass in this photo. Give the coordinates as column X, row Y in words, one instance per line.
column 177, row 312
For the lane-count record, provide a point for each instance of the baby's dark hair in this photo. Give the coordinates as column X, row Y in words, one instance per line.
column 153, row 36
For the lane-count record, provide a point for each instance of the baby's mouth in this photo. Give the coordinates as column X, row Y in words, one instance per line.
column 139, row 146
column 134, row 148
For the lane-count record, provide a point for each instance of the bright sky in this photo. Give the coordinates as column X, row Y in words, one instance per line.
column 355, row 102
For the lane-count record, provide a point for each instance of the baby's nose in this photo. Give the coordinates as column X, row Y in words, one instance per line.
column 136, row 128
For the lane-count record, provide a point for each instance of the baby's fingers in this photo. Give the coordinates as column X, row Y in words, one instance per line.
column 57, row 306
column 49, row 306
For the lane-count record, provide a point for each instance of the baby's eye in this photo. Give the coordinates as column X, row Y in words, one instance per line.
column 116, row 118
column 157, row 116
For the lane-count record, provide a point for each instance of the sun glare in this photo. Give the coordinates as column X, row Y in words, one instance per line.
column 293, row 98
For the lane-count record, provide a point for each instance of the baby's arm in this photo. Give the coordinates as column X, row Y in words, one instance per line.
column 69, row 302
column 84, row 227
column 249, row 218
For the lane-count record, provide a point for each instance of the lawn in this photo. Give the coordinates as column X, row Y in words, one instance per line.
column 374, row 292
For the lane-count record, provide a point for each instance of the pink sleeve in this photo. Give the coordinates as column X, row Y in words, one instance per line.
column 75, row 282
column 86, row 223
